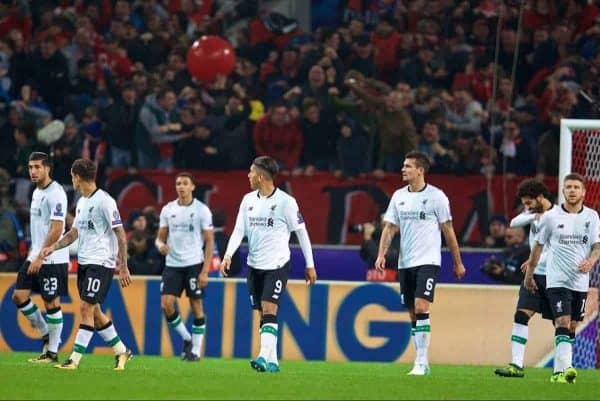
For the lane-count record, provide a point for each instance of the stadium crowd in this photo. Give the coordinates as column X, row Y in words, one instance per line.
column 107, row 80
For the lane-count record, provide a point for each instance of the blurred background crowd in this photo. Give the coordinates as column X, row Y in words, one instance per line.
column 479, row 85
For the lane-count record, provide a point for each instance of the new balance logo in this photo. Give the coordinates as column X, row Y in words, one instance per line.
column 559, row 306
column 275, row 296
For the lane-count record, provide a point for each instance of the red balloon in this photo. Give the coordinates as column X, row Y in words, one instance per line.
column 210, row 56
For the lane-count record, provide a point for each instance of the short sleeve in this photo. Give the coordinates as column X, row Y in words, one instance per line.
column 545, row 229
column 163, row 220
column 442, row 209
column 111, row 213
column 206, row 221
column 391, row 214
column 57, row 203
column 595, row 229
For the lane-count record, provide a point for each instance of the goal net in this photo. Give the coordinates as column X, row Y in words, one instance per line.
column 580, row 153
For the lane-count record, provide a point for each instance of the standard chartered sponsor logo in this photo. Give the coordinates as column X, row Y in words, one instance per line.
column 572, row 239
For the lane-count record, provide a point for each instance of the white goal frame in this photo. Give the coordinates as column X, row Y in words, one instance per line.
column 567, row 126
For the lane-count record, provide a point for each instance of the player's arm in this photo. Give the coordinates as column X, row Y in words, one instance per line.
column 387, row 234
column 124, row 276
column 310, row 273
column 588, row 264
column 208, row 236
column 522, row 219
column 235, row 240
column 65, row 241
column 529, row 266
column 452, row 244
column 54, row 232
column 161, row 240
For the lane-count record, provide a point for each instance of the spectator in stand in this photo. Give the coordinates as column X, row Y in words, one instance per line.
column 50, row 73
column 10, row 229
column 143, row 256
column 350, row 148
column 386, row 41
column 157, row 129
column 496, row 232
column 518, row 152
column 463, row 113
column 8, row 145
column 397, row 132
column 66, row 150
column 200, row 151
column 278, row 135
column 319, row 133
column 507, row 268
column 362, row 59
column 122, row 118
column 234, row 139
column 437, row 151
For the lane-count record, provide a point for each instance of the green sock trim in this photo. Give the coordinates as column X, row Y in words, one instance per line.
column 561, row 339
column 114, row 341
column 268, row 329
column 572, row 340
column 52, row 320
column 425, row 328
column 198, row 329
column 520, row 340
column 175, row 322
column 31, row 310
column 80, row 349
column 412, row 331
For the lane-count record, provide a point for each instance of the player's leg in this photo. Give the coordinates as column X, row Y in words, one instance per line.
column 578, row 300
column 21, row 297
column 53, row 283
column 106, row 329
column 83, row 337
column 426, row 278
column 171, row 286
column 273, row 286
column 408, row 281
column 560, row 301
column 196, row 297
column 518, row 340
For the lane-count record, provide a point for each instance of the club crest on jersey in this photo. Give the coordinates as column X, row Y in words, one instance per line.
column 250, row 208
column 587, row 226
column 58, row 210
column 90, row 210
column 424, row 201
column 560, row 226
column 273, row 208
column 300, row 218
column 116, row 218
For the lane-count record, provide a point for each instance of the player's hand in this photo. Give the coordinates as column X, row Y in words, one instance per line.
column 203, row 279
column 225, row 265
column 310, row 275
column 529, row 283
column 524, row 266
column 586, row 265
column 35, row 265
column 124, row 276
column 45, row 252
column 380, row 263
column 459, row 271
column 164, row 250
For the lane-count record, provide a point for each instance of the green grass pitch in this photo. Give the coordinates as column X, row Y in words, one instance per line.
column 151, row 377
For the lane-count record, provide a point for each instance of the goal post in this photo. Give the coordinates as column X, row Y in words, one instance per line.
column 580, row 153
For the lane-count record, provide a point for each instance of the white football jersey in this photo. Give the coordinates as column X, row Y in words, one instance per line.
column 47, row 204
column 528, row 218
column 570, row 237
column 95, row 219
column 268, row 222
column 186, row 224
column 419, row 215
